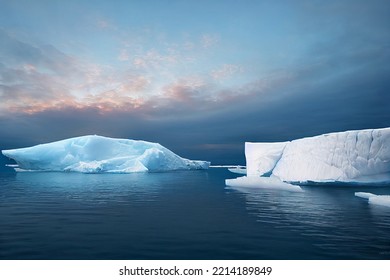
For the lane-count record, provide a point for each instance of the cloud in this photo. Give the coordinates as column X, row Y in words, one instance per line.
column 155, row 59
column 38, row 78
column 17, row 53
column 123, row 55
column 226, row 71
column 41, row 77
column 188, row 45
column 216, row 131
column 104, row 24
column 139, row 62
column 187, row 90
column 209, row 40
column 331, row 89
column 192, row 95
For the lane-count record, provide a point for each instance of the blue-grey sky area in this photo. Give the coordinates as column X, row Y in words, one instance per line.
column 199, row 77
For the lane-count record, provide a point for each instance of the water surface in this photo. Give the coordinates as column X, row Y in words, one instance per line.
column 184, row 215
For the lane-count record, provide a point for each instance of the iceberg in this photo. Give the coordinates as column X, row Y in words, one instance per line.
column 262, row 157
column 383, row 200
column 358, row 156
column 238, row 170
column 263, row 183
column 98, row 154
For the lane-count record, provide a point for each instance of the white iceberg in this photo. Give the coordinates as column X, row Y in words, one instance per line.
column 360, row 156
column 383, row 200
column 238, row 170
column 97, row 154
column 262, row 157
column 262, row 182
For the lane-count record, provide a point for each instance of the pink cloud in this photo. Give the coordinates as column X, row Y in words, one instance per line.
column 226, row 71
column 104, row 24
column 123, row 55
column 155, row 59
column 209, row 40
column 186, row 89
column 52, row 80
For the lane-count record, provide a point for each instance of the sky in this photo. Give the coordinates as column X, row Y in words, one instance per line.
column 200, row 77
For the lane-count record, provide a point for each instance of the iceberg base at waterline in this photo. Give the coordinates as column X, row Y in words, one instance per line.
column 383, row 200
column 262, row 182
column 238, row 170
column 98, row 154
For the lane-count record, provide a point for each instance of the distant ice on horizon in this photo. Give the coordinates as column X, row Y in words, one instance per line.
column 98, row 154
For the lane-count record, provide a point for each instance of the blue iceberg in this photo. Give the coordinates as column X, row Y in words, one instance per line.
column 98, row 154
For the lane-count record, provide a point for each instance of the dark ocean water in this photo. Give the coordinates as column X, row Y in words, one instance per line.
column 184, row 215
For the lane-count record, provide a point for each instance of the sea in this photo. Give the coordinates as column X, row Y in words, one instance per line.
column 184, row 215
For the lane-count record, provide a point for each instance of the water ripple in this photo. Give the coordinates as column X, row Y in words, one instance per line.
column 183, row 215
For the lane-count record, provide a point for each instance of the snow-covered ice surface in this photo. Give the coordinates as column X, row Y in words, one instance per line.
column 262, row 182
column 360, row 156
column 262, row 157
column 98, row 154
column 383, row 200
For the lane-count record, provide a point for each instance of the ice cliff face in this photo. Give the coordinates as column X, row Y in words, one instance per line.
column 261, row 158
column 97, row 154
column 360, row 156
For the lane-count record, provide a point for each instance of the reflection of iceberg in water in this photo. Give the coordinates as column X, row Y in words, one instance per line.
column 319, row 215
column 263, row 202
column 96, row 188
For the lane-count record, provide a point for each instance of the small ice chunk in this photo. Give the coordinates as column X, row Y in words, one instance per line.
column 238, row 170
column 383, row 200
column 262, row 182
column 365, row 195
